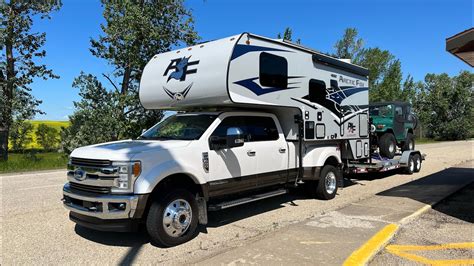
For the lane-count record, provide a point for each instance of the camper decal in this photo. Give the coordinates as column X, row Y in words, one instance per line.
column 241, row 49
column 178, row 96
column 180, row 67
column 254, row 87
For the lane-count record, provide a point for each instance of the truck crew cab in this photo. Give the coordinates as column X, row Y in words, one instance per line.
column 255, row 116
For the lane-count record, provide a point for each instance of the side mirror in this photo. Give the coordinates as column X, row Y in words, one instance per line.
column 235, row 137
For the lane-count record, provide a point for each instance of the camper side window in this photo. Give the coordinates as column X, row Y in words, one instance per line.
column 273, row 71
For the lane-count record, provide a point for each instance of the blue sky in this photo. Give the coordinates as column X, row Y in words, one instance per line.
column 413, row 30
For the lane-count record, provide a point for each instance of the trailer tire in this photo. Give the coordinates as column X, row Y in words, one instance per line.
column 388, row 145
column 173, row 219
column 417, row 161
column 410, row 168
column 326, row 187
column 409, row 143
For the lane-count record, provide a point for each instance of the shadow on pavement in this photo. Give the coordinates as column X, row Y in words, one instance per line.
column 430, row 189
column 134, row 241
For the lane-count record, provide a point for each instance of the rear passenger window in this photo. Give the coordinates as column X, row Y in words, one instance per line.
column 261, row 128
column 255, row 128
column 273, row 71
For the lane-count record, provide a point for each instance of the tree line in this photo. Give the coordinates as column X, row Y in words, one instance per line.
column 134, row 31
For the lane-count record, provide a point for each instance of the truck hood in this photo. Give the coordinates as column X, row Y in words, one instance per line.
column 126, row 149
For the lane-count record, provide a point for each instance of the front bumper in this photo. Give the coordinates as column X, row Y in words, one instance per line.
column 104, row 206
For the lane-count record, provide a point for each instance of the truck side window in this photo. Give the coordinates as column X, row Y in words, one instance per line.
column 273, row 71
column 255, row 128
column 261, row 128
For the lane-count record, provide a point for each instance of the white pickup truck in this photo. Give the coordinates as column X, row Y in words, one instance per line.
column 255, row 117
column 167, row 177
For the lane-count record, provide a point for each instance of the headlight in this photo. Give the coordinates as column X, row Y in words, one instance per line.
column 128, row 173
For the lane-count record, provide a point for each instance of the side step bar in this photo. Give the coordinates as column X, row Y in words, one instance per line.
column 232, row 203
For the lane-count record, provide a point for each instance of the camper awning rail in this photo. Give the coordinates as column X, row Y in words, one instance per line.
column 329, row 61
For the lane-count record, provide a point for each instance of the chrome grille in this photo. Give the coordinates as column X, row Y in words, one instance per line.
column 90, row 162
column 87, row 188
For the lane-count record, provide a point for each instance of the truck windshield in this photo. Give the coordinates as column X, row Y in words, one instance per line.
column 180, row 127
column 382, row 110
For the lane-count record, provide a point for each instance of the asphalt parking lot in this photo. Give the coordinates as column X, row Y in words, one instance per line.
column 36, row 229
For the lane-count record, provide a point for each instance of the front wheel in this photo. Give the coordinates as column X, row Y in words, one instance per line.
column 173, row 219
column 388, row 145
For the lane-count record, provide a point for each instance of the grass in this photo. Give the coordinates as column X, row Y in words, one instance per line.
column 55, row 124
column 33, row 162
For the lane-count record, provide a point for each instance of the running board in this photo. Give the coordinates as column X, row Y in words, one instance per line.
column 232, row 203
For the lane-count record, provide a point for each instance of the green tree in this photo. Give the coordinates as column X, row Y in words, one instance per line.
column 350, row 46
column 20, row 134
column 446, row 105
column 18, row 65
column 47, row 136
column 385, row 74
column 288, row 35
column 133, row 32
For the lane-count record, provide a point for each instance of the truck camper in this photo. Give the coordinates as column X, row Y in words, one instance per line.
column 255, row 116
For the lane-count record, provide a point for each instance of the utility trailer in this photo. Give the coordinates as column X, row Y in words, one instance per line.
column 410, row 161
column 256, row 116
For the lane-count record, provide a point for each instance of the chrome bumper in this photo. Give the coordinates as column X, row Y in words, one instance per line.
column 99, row 205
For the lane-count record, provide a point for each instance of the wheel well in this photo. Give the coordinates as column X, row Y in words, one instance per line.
column 410, row 130
column 176, row 181
column 332, row 161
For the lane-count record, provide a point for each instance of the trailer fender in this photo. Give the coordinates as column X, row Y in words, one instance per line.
column 406, row 156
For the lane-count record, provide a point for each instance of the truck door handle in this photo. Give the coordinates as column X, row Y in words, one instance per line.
column 251, row 153
column 282, row 150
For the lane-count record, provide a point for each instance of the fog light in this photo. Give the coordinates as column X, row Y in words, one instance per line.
column 120, row 206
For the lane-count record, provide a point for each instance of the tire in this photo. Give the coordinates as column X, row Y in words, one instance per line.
column 417, row 161
column 181, row 208
column 326, row 187
column 409, row 143
column 388, row 145
column 411, row 166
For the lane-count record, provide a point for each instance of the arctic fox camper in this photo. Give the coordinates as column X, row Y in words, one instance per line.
column 255, row 116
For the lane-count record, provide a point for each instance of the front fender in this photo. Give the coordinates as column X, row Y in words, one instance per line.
column 146, row 182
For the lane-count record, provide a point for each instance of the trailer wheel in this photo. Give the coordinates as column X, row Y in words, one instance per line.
column 388, row 145
column 417, row 161
column 326, row 188
column 409, row 143
column 173, row 219
column 411, row 165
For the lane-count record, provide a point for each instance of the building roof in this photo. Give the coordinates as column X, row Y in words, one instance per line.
column 461, row 45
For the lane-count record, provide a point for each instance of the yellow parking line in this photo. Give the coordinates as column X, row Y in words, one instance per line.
column 400, row 250
column 371, row 247
column 466, row 245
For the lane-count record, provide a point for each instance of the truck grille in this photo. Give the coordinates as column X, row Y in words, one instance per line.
column 89, row 189
column 90, row 162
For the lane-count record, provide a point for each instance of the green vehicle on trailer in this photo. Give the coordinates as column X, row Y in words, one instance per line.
column 392, row 125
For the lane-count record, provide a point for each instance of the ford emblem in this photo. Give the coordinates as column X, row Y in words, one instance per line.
column 79, row 174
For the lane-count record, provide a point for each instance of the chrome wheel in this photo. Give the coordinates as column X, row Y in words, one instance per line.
column 177, row 217
column 410, row 145
column 412, row 165
column 330, row 182
column 417, row 163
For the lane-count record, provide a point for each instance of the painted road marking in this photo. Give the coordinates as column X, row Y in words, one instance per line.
column 401, row 251
column 370, row 248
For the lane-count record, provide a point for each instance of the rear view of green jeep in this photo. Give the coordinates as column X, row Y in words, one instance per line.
column 393, row 124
